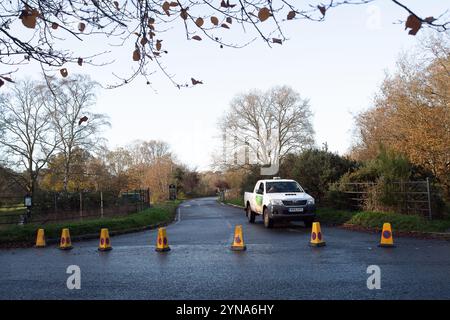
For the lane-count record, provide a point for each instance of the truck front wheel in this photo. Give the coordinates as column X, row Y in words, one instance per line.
column 250, row 214
column 268, row 223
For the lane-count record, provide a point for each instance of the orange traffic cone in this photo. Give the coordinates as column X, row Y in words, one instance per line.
column 162, row 244
column 40, row 239
column 105, row 242
column 65, row 242
column 316, row 236
column 386, row 236
column 238, row 239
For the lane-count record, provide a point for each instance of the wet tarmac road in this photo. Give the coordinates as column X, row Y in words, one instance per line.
column 278, row 264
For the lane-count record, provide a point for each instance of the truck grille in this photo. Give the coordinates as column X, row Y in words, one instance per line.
column 294, row 202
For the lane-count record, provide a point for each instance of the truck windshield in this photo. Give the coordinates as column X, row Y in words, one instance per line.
column 283, row 186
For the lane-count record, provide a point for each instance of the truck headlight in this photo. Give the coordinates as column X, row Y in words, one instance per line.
column 276, row 202
column 311, row 201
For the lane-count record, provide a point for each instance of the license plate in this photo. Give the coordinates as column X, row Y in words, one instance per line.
column 295, row 209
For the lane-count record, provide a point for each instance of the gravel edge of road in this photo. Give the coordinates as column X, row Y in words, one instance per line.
column 354, row 227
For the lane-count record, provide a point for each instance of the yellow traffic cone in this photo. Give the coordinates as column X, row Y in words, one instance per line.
column 162, row 244
column 386, row 236
column 316, row 236
column 238, row 239
column 65, row 242
column 105, row 241
column 40, row 239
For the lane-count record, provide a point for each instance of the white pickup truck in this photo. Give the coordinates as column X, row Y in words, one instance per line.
column 279, row 200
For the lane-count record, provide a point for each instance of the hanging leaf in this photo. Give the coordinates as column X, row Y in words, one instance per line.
column 116, row 4
column 224, row 25
column 194, row 82
column 7, row 79
column 322, row 10
column 151, row 21
column 55, row 26
column 229, row 20
column 199, row 22
column 183, row 14
column 414, row 23
column 136, row 55
column 144, row 40
column 263, row 14
column 214, row 20
column 29, row 17
column 158, row 45
column 64, row 72
column 276, row 40
column 291, row 15
column 166, row 7
column 82, row 119
column 173, row 4
column 198, row 38
column 80, row 61
column 81, row 26
column 227, row 4
column 429, row 19
column 1, row 83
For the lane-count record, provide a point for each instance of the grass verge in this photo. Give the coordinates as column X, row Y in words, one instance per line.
column 237, row 201
column 158, row 214
column 375, row 220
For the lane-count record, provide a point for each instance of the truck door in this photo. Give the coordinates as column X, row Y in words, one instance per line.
column 259, row 197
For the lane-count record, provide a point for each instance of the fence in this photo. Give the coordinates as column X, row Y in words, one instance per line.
column 53, row 206
column 406, row 197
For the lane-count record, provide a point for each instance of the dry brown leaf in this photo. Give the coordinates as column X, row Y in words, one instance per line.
column 81, row 26
column 199, row 22
column 291, row 15
column 55, row 26
column 429, row 19
column 174, row 4
column 194, row 82
column 166, row 6
column 80, row 61
column 183, row 14
column 214, row 20
column 151, row 21
column 7, row 79
column 263, row 14
column 64, row 72
column 29, row 17
column 276, row 40
column 116, row 4
column 144, row 40
column 224, row 25
column 229, row 20
column 322, row 10
column 136, row 55
column 198, row 38
column 1, row 82
column 413, row 23
column 158, row 45
column 82, row 119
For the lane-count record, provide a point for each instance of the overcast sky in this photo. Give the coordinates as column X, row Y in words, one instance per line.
column 337, row 64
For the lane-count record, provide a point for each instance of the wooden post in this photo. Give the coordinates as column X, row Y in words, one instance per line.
column 81, row 205
column 429, row 199
column 101, row 204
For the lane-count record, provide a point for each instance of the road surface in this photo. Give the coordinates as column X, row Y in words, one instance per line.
column 278, row 264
